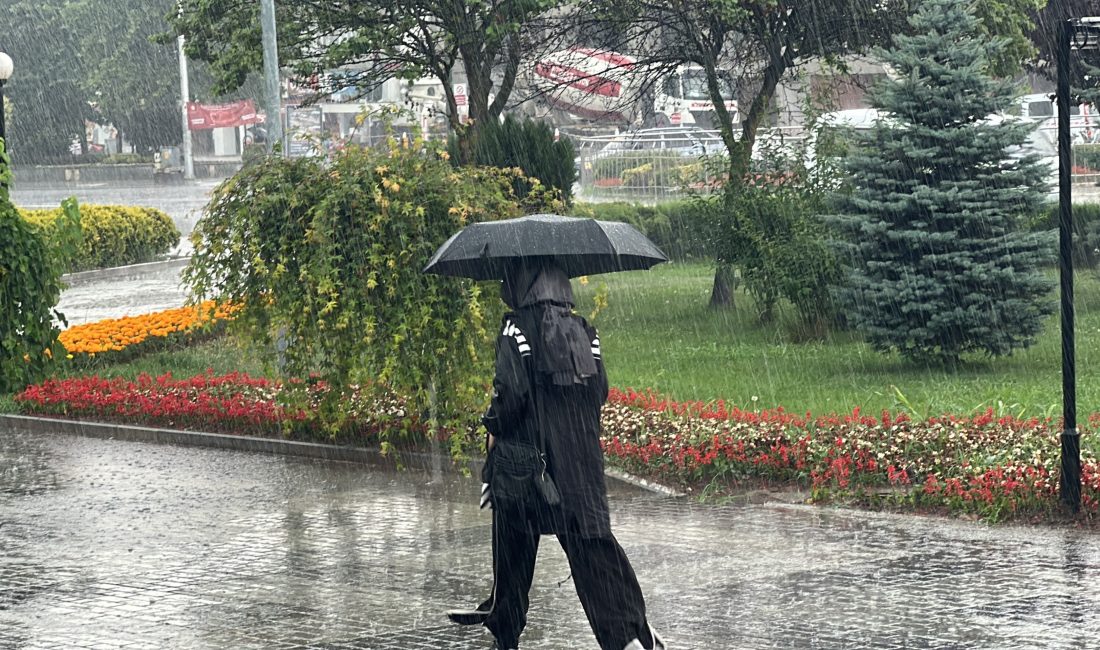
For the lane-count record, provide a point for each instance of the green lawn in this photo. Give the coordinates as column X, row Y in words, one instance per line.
column 658, row 333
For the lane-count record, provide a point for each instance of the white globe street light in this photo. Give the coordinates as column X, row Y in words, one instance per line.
column 6, row 67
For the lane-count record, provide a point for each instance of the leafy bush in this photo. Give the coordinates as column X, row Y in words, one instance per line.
column 31, row 264
column 326, row 258
column 677, row 227
column 115, row 235
column 530, row 146
column 1086, row 232
column 773, row 234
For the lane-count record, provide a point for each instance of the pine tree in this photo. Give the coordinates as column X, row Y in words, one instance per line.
column 940, row 263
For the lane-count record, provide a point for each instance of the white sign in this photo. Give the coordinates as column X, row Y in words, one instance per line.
column 460, row 94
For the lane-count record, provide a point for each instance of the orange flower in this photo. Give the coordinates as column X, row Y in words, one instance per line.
column 117, row 334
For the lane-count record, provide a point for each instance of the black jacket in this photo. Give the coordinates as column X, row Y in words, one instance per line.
column 571, row 423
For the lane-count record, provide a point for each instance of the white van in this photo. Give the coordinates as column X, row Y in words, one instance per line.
column 1084, row 123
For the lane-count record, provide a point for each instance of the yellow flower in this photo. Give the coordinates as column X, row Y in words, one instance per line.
column 583, row 280
column 68, row 356
column 27, row 358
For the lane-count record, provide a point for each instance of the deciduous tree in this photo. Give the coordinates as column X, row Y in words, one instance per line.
column 370, row 41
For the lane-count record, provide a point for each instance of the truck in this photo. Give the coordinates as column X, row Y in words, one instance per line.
column 578, row 86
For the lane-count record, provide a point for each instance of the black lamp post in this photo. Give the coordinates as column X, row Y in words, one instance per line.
column 1077, row 34
column 5, row 74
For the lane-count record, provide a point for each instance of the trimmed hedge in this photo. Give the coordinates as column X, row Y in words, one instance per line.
column 679, row 228
column 115, row 235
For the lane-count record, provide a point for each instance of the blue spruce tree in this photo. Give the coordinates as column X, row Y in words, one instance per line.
column 940, row 263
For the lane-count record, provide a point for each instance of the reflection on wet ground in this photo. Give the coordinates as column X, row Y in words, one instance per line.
column 117, row 544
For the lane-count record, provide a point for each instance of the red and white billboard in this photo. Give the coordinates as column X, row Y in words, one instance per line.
column 215, row 116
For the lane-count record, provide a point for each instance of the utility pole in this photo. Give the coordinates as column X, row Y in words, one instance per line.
column 185, row 97
column 272, row 94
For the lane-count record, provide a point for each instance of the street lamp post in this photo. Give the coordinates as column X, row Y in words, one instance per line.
column 272, row 92
column 6, row 68
column 1077, row 34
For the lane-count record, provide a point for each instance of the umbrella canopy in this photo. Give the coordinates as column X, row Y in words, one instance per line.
column 579, row 246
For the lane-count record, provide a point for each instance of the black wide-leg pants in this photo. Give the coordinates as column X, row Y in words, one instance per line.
column 605, row 582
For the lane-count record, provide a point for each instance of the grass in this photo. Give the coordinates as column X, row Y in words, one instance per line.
column 657, row 333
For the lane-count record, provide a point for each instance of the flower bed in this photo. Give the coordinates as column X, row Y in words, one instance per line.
column 993, row 466
column 996, row 467
column 231, row 403
column 133, row 335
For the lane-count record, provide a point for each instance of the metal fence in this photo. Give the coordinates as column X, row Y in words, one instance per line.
column 654, row 165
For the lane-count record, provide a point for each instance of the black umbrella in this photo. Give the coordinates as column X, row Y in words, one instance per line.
column 579, row 246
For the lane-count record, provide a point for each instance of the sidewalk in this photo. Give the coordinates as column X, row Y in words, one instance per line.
column 108, row 544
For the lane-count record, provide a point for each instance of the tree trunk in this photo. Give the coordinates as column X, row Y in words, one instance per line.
column 721, row 294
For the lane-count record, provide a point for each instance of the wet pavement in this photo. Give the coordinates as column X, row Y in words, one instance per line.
column 143, row 291
column 109, row 544
column 93, row 297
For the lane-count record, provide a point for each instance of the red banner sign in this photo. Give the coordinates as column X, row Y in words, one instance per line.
column 216, row 116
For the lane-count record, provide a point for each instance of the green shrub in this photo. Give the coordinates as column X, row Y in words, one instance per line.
column 772, row 232
column 529, row 146
column 327, row 258
column 32, row 261
column 115, row 235
column 677, row 227
column 253, row 153
column 1086, row 232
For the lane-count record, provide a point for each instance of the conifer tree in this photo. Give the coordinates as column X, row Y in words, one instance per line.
column 941, row 265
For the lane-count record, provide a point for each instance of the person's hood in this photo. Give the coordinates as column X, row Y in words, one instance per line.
column 527, row 284
column 551, row 284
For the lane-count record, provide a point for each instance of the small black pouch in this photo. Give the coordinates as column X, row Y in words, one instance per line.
column 518, row 478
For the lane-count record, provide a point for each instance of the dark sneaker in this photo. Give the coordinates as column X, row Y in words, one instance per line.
column 471, row 616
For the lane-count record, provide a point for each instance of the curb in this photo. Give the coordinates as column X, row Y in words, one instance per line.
column 343, row 453
column 130, row 433
column 124, row 271
column 642, row 483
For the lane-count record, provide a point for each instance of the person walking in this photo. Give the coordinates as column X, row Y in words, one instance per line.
column 550, row 381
